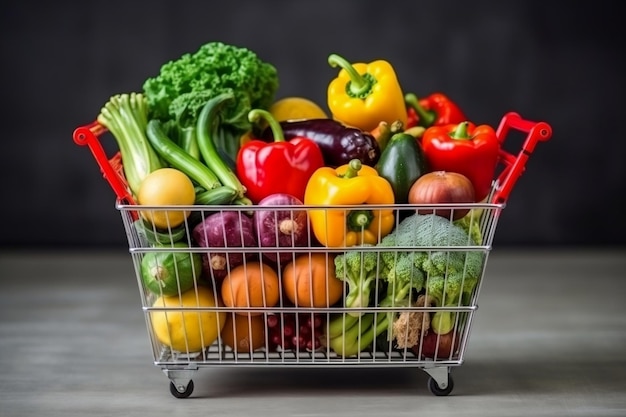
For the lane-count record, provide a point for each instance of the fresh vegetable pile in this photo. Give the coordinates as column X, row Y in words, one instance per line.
column 330, row 223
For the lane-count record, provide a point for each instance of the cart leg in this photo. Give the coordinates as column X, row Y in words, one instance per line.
column 440, row 382
column 181, row 384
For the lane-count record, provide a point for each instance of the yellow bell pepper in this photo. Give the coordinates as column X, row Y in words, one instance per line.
column 363, row 95
column 350, row 184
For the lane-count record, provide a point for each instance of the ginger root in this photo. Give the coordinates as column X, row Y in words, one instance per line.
column 410, row 326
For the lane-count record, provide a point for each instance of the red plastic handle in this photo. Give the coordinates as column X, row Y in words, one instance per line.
column 111, row 168
column 514, row 165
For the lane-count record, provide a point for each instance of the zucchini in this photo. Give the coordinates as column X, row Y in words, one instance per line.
column 156, row 237
column 216, row 196
column 178, row 158
column 402, row 163
column 207, row 128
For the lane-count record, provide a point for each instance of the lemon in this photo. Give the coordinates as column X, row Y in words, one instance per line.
column 295, row 108
column 187, row 331
column 162, row 187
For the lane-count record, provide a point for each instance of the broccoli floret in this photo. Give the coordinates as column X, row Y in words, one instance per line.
column 450, row 291
column 413, row 256
column 422, row 231
column 359, row 270
column 471, row 224
column 452, row 276
column 402, row 273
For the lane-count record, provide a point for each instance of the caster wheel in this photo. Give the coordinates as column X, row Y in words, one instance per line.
column 184, row 394
column 440, row 392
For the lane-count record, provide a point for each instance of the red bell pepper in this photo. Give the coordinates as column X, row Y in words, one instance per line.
column 466, row 149
column 276, row 167
column 435, row 110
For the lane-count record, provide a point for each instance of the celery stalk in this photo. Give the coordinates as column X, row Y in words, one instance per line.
column 126, row 117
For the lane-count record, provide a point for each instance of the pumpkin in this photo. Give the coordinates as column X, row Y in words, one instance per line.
column 252, row 284
column 310, row 281
column 244, row 332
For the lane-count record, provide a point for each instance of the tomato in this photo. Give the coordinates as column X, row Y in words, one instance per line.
column 162, row 187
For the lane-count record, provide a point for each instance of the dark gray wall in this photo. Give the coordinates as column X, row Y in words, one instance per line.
column 561, row 62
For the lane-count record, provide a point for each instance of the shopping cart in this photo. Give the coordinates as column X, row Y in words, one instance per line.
column 287, row 330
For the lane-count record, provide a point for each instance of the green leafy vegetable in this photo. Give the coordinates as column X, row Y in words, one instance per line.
column 183, row 86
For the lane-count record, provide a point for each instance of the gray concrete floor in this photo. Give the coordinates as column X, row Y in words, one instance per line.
column 548, row 340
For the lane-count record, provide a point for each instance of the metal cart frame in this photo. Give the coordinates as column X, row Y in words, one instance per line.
column 181, row 366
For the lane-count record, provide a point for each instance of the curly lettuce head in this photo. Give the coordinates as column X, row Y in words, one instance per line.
column 183, row 86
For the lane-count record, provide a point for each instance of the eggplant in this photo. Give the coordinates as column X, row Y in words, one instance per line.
column 339, row 143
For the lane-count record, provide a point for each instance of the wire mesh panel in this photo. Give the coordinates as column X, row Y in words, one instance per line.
column 213, row 294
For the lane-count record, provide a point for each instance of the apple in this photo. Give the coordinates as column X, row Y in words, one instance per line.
column 444, row 342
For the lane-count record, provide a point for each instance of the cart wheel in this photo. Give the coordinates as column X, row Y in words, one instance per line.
column 440, row 392
column 184, row 394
